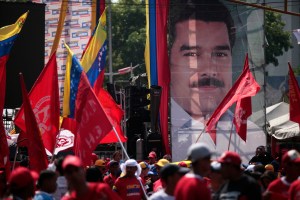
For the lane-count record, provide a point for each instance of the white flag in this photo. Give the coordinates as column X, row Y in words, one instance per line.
column 297, row 35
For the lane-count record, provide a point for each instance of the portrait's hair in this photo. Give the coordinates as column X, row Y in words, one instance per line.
column 204, row 10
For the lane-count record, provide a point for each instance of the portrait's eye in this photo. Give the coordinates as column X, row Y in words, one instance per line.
column 191, row 54
column 219, row 54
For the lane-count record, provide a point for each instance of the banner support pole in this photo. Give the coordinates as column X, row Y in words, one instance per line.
column 230, row 135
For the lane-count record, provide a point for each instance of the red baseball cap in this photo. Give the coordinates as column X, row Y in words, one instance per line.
column 21, row 177
column 71, row 160
column 94, row 157
column 182, row 164
column 230, row 157
column 292, row 156
column 152, row 154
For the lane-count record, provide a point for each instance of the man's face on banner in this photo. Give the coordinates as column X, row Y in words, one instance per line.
column 201, row 66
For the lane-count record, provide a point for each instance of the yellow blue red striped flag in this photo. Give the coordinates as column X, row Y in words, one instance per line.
column 93, row 60
column 72, row 79
column 9, row 33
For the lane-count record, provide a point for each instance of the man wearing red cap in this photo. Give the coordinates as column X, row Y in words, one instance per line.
column 278, row 189
column 79, row 189
column 192, row 186
column 237, row 185
column 21, row 184
column 111, row 178
column 152, row 158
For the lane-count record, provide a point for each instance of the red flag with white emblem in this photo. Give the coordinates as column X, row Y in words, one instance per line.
column 245, row 86
column 243, row 110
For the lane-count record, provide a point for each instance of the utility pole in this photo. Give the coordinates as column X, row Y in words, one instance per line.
column 110, row 43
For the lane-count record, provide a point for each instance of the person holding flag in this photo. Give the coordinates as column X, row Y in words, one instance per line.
column 203, row 37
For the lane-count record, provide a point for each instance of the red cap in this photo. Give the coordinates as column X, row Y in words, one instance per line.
column 94, row 157
column 182, row 164
column 21, row 177
column 71, row 160
column 152, row 154
column 292, row 156
column 230, row 157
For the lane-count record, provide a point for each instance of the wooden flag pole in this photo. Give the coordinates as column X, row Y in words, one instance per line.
column 200, row 134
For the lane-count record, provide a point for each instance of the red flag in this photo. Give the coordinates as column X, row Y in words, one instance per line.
column 115, row 115
column 99, row 82
column 44, row 98
column 294, row 95
column 69, row 124
column 163, row 70
column 4, row 151
column 243, row 110
column 245, row 86
column 36, row 150
column 93, row 124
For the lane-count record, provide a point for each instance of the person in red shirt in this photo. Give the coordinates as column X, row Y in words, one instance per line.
column 129, row 187
column 158, row 185
column 192, row 185
column 20, row 184
column 113, row 173
column 294, row 191
column 79, row 189
column 278, row 189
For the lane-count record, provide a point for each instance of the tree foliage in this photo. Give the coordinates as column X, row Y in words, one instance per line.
column 128, row 35
column 278, row 39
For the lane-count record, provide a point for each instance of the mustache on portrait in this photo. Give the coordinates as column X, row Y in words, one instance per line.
column 209, row 81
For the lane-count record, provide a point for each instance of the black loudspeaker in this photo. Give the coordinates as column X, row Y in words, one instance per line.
column 155, row 94
column 27, row 53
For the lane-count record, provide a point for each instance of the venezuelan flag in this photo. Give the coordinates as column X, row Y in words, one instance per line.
column 156, row 58
column 150, row 47
column 9, row 33
column 93, row 60
column 72, row 79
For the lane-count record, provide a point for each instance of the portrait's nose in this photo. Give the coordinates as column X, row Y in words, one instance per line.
column 206, row 66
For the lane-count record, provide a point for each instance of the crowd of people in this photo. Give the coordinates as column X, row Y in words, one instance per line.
column 199, row 177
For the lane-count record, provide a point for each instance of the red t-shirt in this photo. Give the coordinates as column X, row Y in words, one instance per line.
column 128, row 188
column 157, row 185
column 294, row 191
column 110, row 180
column 279, row 189
column 95, row 191
column 190, row 187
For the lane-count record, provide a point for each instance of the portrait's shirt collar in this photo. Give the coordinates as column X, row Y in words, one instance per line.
column 180, row 119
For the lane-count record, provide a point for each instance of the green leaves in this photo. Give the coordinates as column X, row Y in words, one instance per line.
column 278, row 39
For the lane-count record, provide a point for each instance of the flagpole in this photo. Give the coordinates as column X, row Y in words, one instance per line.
column 52, row 159
column 125, row 152
column 110, row 44
column 119, row 139
column 200, row 134
column 230, row 134
column 15, row 158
